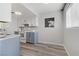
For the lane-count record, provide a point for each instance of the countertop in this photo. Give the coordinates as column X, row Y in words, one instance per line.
column 9, row 36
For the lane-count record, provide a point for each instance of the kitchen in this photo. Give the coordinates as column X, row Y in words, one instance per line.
column 13, row 25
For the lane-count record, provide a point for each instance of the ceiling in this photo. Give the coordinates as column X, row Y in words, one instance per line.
column 40, row 8
column 17, row 7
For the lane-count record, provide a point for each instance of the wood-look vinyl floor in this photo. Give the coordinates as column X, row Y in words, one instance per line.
column 42, row 50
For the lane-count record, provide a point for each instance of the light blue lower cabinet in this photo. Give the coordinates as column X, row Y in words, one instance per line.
column 31, row 37
column 10, row 46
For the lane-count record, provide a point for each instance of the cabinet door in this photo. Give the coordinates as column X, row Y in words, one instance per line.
column 32, row 37
column 27, row 36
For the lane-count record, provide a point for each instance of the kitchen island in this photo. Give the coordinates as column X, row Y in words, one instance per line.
column 10, row 45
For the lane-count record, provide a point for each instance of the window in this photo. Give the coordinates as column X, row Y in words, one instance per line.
column 72, row 16
column 3, row 24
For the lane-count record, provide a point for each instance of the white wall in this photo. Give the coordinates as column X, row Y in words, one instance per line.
column 51, row 35
column 12, row 25
column 5, row 12
column 71, row 34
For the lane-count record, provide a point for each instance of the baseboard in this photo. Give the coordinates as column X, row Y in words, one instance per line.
column 56, row 44
column 66, row 50
column 51, row 43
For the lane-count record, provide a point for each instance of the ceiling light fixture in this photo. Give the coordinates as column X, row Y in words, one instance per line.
column 18, row 13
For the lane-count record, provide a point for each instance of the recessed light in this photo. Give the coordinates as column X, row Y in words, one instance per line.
column 18, row 13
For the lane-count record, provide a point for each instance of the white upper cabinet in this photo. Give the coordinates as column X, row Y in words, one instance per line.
column 5, row 12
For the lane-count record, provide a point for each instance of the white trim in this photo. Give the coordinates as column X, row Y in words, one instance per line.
column 51, row 43
column 66, row 50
